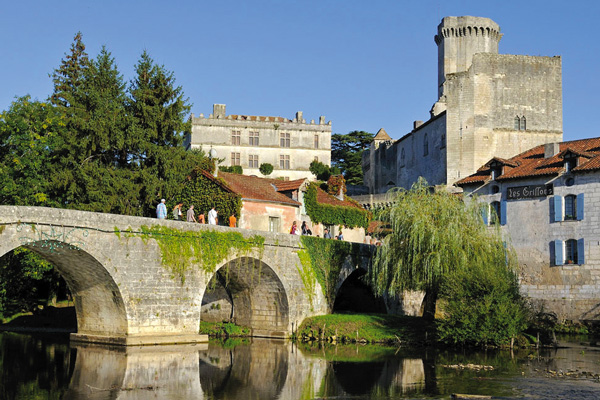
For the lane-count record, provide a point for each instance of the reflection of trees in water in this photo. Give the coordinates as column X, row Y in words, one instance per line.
column 34, row 366
column 245, row 372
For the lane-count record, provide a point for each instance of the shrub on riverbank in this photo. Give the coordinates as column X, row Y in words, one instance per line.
column 367, row 328
column 223, row 329
column 482, row 306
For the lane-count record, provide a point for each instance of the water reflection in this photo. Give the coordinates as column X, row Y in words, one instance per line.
column 48, row 367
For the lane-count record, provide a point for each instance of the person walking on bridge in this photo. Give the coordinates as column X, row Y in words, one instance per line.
column 190, row 214
column 232, row 221
column 161, row 210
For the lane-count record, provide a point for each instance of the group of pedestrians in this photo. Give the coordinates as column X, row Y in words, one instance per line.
column 213, row 214
column 305, row 230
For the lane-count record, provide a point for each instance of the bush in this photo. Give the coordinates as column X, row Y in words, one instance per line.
column 265, row 169
column 234, row 169
column 482, row 307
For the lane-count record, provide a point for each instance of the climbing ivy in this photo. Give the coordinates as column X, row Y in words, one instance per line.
column 322, row 259
column 205, row 193
column 334, row 215
column 180, row 249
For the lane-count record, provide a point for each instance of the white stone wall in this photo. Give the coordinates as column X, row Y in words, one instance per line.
column 571, row 291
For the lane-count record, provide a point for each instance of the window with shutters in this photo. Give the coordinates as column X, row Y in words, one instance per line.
column 571, row 252
column 570, row 207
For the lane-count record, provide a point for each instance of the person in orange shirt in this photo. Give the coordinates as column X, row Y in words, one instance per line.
column 232, row 221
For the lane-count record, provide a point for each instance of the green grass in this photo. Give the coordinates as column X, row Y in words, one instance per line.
column 223, row 329
column 369, row 328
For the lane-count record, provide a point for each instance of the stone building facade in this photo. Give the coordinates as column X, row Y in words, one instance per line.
column 488, row 105
column 546, row 202
column 249, row 141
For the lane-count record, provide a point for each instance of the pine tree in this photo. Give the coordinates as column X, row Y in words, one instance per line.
column 159, row 111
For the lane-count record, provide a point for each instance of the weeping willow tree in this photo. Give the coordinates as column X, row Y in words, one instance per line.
column 440, row 245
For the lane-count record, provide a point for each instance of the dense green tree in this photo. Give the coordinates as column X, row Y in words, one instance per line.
column 346, row 154
column 28, row 133
column 321, row 171
column 159, row 109
column 437, row 243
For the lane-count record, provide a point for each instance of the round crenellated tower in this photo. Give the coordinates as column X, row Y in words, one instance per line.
column 458, row 39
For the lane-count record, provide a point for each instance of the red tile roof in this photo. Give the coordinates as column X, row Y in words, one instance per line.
column 284, row 186
column 325, row 198
column 255, row 188
column 532, row 162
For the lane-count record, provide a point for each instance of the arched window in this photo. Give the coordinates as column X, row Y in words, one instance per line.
column 517, row 123
column 570, row 207
column 523, row 125
column 425, row 146
column 571, row 256
column 495, row 211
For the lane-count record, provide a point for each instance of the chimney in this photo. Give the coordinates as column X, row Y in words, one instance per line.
column 551, row 149
column 299, row 117
column 218, row 110
column 340, row 195
column 417, row 124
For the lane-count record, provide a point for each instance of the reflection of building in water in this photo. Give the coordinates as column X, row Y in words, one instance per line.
column 161, row 372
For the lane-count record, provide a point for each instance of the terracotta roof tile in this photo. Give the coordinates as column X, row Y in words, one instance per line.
column 325, row 198
column 255, row 188
column 532, row 162
column 283, row 186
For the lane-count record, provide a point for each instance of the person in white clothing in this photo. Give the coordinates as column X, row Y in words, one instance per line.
column 212, row 216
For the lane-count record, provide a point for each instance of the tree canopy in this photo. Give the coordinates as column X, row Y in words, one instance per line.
column 99, row 143
column 346, row 154
column 440, row 245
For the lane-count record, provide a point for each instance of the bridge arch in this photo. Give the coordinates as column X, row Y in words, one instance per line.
column 249, row 292
column 98, row 300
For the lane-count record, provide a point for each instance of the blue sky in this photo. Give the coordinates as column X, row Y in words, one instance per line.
column 363, row 64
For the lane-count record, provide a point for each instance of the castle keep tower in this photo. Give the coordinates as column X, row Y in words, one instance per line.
column 458, row 39
column 488, row 105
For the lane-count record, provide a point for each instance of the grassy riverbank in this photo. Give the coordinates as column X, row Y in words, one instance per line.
column 368, row 328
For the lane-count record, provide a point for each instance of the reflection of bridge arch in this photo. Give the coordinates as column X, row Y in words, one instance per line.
column 249, row 292
column 98, row 300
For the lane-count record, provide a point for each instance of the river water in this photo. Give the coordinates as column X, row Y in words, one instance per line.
column 49, row 367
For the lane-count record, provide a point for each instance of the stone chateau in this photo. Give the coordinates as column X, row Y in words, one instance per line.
column 290, row 145
column 488, row 104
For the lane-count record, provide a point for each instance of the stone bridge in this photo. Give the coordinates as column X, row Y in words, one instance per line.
column 126, row 293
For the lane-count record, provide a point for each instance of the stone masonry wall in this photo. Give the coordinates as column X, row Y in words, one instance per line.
column 571, row 291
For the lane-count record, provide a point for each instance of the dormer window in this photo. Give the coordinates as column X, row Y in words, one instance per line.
column 570, row 162
column 495, row 170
